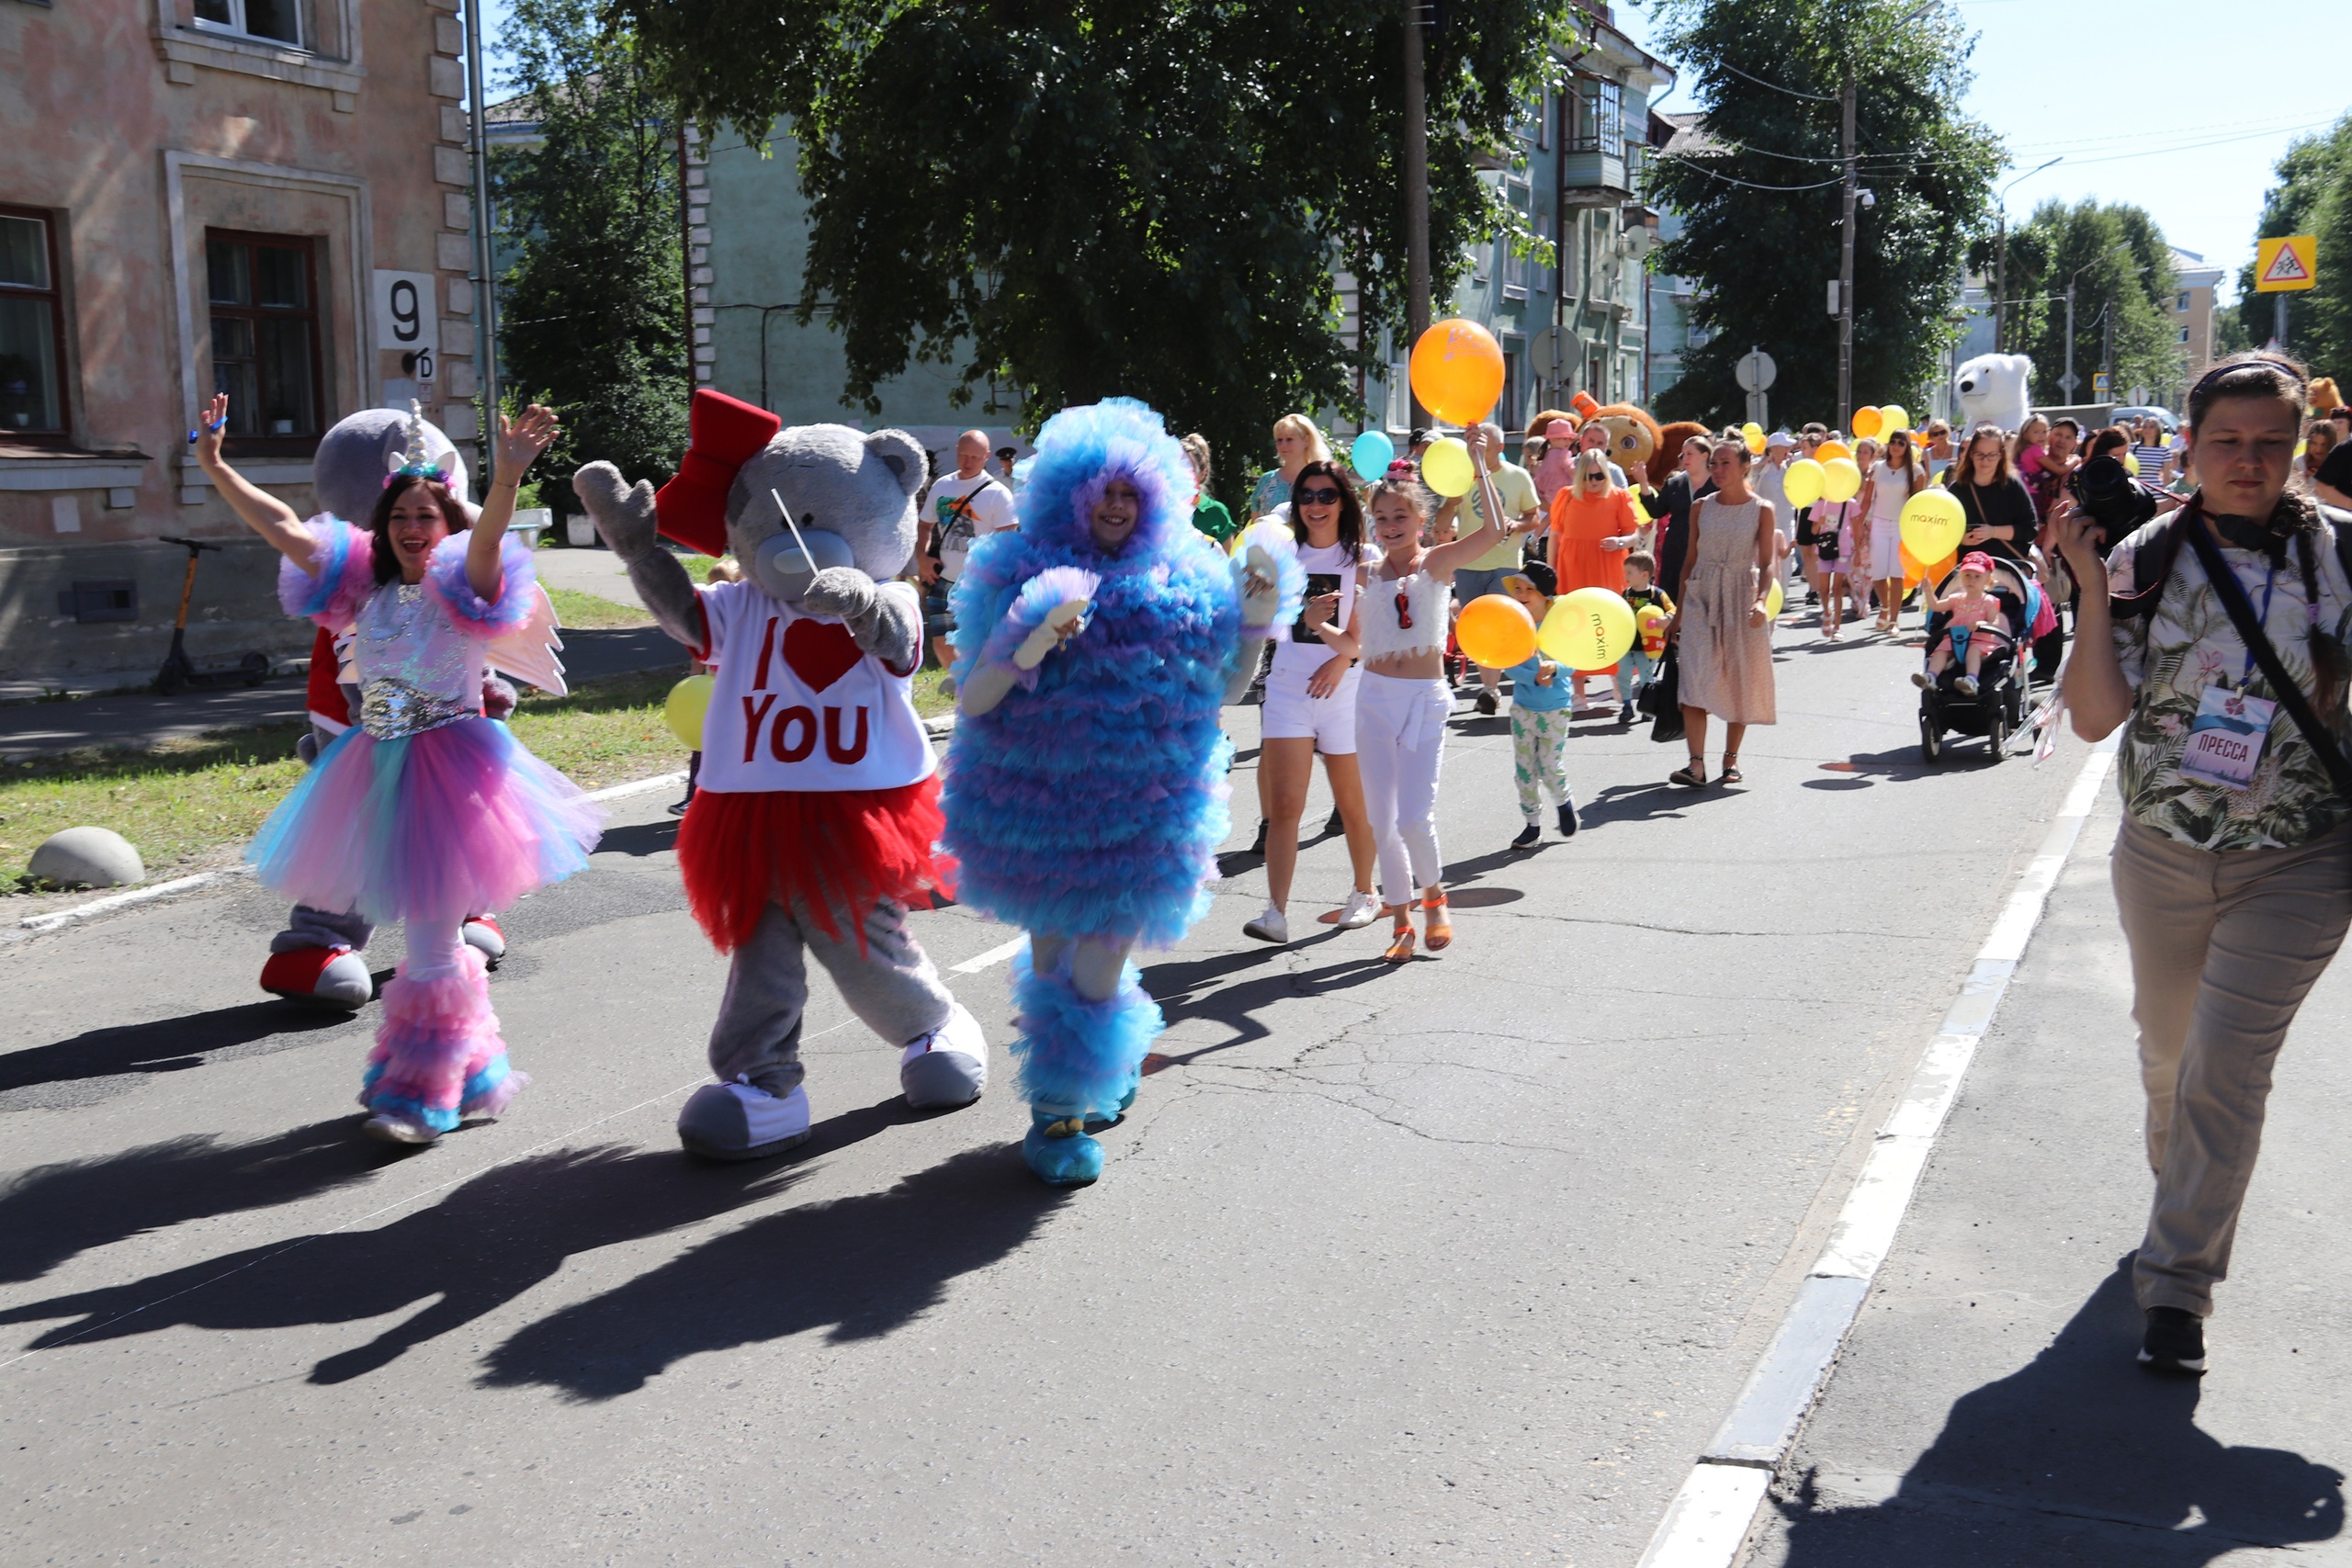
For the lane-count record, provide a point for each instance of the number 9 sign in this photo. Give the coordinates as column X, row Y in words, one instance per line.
column 407, row 318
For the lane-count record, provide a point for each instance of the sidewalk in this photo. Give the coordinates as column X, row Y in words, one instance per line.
column 1987, row 1410
column 143, row 718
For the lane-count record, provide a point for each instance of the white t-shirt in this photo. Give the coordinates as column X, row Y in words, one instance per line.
column 1307, row 653
column 1890, row 492
column 962, row 510
column 796, row 706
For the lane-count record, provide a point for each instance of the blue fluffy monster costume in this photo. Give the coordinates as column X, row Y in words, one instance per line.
column 1086, row 804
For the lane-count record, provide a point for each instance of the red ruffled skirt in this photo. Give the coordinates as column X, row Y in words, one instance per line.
column 826, row 851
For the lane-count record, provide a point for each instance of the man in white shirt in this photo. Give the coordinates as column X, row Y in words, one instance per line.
column 963, row 508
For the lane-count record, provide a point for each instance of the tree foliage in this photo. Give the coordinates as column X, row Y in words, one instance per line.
column 592, row 313
column 1099, row 196
column 2121, row 265
column 1760, row 204
column 2314, row 195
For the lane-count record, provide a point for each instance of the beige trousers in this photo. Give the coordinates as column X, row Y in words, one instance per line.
column 2224, row 947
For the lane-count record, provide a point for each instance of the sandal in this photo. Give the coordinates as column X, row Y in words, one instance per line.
column 1692, row 777
column 1440, row 927
column 1731, row 773
column 1400, row 942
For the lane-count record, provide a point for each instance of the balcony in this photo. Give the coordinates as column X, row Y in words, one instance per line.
column 1590, row 177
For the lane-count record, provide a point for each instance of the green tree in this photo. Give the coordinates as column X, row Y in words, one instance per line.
column 2314, row 195
column 2122, row 269
column 1138, row 196
column 591, row 316
column 1759, row 197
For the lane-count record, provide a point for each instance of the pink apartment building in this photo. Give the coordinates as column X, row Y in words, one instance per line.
column 265, row 196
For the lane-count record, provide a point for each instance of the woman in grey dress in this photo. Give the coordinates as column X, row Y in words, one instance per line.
column 1725, row 636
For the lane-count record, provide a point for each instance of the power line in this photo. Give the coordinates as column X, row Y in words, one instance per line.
column 1817, row 97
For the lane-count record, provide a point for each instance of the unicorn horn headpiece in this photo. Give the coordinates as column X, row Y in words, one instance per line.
column 417, row 460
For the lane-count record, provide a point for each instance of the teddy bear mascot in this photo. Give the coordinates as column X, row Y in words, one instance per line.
column 1095, row 645
column 319, row 958
column 816, row 815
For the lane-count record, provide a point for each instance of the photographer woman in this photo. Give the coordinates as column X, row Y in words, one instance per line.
column 2234, row 868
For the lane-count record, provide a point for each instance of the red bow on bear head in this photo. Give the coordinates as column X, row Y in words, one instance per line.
column 722, row 435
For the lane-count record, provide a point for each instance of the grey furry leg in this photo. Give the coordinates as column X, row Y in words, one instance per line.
column 306, row 927
column 757, row 1035
column 892, row 985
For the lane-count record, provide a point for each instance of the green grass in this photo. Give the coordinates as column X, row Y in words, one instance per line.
column 186, row 801
column 592, row 612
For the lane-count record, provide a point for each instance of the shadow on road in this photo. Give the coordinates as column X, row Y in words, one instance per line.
column 52, row 1212
column 641, row 837
column 2079, row 1458
column 163, row 1045
column 861, row 1266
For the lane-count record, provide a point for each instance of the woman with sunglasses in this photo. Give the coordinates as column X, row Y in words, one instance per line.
column 1403, row 699
column 1725, row 636
column 1593, row 527
column 1311, row 705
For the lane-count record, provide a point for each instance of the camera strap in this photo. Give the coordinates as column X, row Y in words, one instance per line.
column 2283, row 685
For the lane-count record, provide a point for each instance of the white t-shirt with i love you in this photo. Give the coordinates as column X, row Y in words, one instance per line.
column 796, row 706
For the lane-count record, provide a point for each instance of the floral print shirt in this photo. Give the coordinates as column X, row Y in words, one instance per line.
column 2186, row 643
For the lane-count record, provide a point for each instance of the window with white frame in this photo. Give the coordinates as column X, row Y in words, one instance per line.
column 280, row 21
column 32, row 335
column 1597, row 121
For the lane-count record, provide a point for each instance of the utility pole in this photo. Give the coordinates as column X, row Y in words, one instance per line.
column 485, row 284
column 2001, row 263
column 2068, row 382
column 1846, row 193
column 1417, row 188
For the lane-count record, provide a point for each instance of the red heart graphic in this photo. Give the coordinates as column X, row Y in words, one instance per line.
column 819, row 653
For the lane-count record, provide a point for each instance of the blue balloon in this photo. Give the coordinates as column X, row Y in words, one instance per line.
column 1371, row 453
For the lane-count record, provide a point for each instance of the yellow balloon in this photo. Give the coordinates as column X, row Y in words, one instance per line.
column 1445, row 467
column 1892, row 417
column 684, row 708
column 1830, row 451
column 1933, row 522
column 1754, row 438
column 1588, row 629
column 1774, row 597
column 1840, row 480
column 1801, row 483
column 2131, row 465
column 1869, row 421
column 1494, row 630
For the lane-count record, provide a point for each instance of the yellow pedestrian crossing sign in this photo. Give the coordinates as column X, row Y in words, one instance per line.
column 2285, row 264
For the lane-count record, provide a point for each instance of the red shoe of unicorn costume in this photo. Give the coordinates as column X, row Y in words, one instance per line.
column 816, row 814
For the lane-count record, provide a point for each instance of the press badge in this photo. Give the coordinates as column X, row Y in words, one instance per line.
column 2225, row 738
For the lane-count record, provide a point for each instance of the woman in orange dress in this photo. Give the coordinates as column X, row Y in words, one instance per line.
column 1593, row 525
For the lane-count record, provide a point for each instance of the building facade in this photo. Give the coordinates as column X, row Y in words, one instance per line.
column 2195, row 285
column 260, row 196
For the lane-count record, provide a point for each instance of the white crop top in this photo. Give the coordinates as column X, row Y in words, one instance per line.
column 1389, row 602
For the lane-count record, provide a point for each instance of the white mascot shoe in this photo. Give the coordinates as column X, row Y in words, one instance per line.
column 736, row 1120
column 949, row 1067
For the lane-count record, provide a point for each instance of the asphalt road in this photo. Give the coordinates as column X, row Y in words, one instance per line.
column 1455, row 1264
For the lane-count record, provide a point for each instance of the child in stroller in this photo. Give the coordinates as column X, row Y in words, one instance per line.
column 1976, row 619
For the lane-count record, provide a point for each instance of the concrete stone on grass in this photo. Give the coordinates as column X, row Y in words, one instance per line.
column 87, row 857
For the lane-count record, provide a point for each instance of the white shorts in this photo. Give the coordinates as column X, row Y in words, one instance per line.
column 1886, row 550
column 1291, row 714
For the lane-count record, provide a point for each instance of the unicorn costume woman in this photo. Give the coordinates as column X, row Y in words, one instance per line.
column 1085, row 792
column 424, row 811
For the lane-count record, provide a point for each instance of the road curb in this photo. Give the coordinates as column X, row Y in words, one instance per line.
column 1707, row 1524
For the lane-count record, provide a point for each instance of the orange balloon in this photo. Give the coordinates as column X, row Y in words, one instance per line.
column 1915, row 573
column 1457, row 371
column 1868, row 420
column 1494, row 630
column 1829, row 450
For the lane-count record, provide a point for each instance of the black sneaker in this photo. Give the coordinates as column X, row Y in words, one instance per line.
column 1258, row 845
column 1567, row 819
column 2174, row 1342
column 1529, row 837
column 1486, row 703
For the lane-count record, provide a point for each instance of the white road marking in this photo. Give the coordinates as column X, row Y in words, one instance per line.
column 639, row 786
column 993, row 956
column 1706, row 1525
column 60, row 918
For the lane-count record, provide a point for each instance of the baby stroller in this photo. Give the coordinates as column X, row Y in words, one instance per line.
column 1997, row 710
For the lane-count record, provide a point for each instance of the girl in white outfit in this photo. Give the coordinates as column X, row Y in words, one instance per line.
column 1311, row 705
column 1402, row 699
column 1891, row 484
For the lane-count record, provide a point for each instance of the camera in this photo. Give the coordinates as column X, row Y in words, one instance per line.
column 2105, row 492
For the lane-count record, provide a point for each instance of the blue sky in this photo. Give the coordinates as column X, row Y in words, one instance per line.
column 2181, row 107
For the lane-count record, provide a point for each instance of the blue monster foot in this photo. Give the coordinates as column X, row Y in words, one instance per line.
column 1059, row 1152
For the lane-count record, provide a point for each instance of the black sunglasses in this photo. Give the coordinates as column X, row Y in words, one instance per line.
column 1322, row 495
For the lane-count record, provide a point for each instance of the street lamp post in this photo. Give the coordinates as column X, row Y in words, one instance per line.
column 1417, row 186
column 1850, row 190
column 2069, row 381
column 2001, row 262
